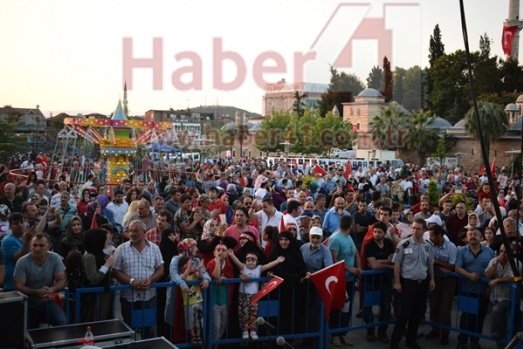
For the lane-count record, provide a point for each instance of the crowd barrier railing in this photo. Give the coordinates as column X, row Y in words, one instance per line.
column 298, row 312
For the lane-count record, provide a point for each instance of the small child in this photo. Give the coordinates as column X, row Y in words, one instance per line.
column 193, row 299
column 248, row 312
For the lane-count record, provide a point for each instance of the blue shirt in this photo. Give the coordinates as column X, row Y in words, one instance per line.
column 10, row 246
column 332, row 220
column 344, row 245
column 317, row 259
column 474, row 264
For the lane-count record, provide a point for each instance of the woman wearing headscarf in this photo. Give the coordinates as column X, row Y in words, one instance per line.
column 292, row 291
column 96, row 266
column 248, row 245
column 212, row 235
column 74, row 236
column 93, row 216
column 103, row 200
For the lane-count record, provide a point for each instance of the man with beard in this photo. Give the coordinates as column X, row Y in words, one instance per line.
column 378, row 253
column 173, row 204
column 362, row 221
column 424, row 212
column 144, row 214
column 500, row 271
column 118, row 206
column 457, row 222
column 334, row 215
column 316, row 256
column 163, row 221
column 471, row 262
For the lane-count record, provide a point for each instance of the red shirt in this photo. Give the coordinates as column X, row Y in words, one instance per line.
column 227, row 270
column 153, row 236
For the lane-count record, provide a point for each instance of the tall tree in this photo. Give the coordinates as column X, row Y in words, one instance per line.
column 271, row 133
column 376, row 79
column 493, row 120
column 399, row 76
column 341, row 89
column 486, row 72
column 387, row 128
column 421, row 136
column 448, row 97
column 299, row 105
column 511, row 74
column 12, row 142
column 436, row 47
column 388, row 80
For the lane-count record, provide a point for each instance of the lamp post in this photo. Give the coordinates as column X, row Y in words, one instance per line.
column 286, row 146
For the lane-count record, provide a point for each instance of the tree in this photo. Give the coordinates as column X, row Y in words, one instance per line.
column 448, row 97
column 333, row 132
column 398, row 82
column 376, row 79
column 421, row 135
column 341, row 89
column 486, row 72
column 441, row 151
column 511, row 75
column 493, row 121
column 299, row 105
column 273, row 131
column 306, row 132
column 12, row 142
column 388, row 92
column 436, row 47
column 387, row 128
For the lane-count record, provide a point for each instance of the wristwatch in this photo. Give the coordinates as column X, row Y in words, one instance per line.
column 131, row 281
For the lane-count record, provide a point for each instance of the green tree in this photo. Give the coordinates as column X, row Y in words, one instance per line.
column 412, row 95
column 511, row 75
column 299, row 105
column 448, row 97
column 376, row 79
column 387, row 128
column 388, row 80
column 398, row 84
column 486, row 72
column 436, row 46
column 333, row 132
column 342, row 88
column 306, row 132
column 273, row 131
column 12, row 142
column 441, row 151
column 421, row 135
column 493, row 121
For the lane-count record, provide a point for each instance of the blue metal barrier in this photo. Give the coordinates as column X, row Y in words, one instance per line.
column 310, row 321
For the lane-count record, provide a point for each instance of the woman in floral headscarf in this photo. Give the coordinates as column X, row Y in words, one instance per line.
column 74, row 237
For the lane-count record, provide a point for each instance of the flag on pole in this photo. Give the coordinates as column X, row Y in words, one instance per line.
column 348, row 170
column 267, row 288
column 508, row 37
column 330, row 283
column 319, row 170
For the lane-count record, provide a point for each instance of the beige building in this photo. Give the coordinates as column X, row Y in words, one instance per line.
column 279, row 97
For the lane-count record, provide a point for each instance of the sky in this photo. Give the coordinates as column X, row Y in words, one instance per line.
column 74, row 57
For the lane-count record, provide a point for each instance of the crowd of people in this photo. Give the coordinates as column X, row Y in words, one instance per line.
column 247, row 218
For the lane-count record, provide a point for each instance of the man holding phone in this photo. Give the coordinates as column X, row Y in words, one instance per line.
column 484, row 210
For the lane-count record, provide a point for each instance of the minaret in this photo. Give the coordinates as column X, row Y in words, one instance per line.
column 125, row 107
column 511, row 22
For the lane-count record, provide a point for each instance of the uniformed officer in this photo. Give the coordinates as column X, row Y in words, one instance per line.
column 413, row 277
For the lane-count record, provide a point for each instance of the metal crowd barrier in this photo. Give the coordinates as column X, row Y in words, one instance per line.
column 303, row 319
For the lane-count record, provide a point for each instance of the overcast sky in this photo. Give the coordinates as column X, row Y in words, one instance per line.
column 70, row 56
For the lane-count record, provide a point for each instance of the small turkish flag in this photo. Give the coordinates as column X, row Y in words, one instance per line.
column 348, row 170
column 330, row 283
column 319, row 170
column 267, row 288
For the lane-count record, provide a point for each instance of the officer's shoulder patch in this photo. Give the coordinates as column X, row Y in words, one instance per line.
column 427, row 248
column 406, row 244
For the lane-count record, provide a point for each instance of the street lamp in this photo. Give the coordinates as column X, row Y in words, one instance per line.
column 286, row 146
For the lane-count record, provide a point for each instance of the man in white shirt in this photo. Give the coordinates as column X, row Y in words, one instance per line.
column 118, row 206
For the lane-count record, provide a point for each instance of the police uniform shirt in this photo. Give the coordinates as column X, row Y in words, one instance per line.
column 414, row 258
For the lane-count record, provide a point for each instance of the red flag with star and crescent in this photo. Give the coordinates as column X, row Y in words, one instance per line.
column 269, row 286
column 509, row 31
column 319, row 170
column 330, row 283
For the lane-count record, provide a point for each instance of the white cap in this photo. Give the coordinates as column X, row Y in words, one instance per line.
column 434, row 219
column 316, row 231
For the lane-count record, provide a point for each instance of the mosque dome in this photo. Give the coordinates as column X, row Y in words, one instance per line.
column 370, row 92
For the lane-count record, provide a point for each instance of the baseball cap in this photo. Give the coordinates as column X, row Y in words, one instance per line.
column 316, row 231
column 434, row 219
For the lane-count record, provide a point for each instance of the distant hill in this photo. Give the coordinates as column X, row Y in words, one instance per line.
column 224, row 110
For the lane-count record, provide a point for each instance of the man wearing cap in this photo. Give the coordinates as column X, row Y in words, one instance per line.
column 304, row 223
column 316, row 256
column 440, row 299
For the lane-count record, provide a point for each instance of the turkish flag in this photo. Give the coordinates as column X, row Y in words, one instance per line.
column 330, row 283
column 348, row 170
column 267, row 288
column 319, row 170
column 507, row 37
column 492, row 168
